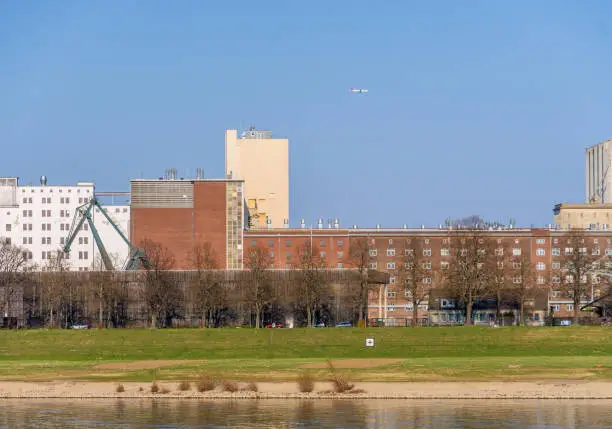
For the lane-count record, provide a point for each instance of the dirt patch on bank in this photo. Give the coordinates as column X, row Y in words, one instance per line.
column 144, row 364
column 354, row 363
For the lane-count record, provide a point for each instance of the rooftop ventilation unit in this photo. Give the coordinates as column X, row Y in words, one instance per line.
column 302, row 224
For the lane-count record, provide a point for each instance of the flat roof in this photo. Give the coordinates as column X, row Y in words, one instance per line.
column 185, row 180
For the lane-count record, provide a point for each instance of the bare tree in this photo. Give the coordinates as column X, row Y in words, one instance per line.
column 103, row 287
column 161, row 294
column 468, row 275
column 415, row 276
column 524, row 282
column 258, row 283
column 13, row 265
column 206, row 287
column 311, row 287
column 498, row 265
column 360, row 256
column 55, row 285
column 578, row 268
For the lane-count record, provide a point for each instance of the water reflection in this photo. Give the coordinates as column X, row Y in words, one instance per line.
column 469, row 414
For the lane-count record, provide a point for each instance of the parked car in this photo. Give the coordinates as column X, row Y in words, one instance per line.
column 274, row 325
column 80, row 326
column 320, row 325
column 344, row 325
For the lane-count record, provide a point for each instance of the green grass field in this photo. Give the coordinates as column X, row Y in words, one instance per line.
column 423, row 354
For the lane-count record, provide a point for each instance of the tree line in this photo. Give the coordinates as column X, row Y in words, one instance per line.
column 478, row 266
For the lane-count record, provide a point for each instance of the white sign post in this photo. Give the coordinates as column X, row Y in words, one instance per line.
column 369, row 342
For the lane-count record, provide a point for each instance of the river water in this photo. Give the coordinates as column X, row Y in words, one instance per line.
column 340, row 414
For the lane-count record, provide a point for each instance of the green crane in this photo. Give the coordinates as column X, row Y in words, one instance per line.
column 84, row 213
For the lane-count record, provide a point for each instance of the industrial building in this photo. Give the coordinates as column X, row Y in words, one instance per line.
column 182, row 214
column 598, row 162
column 38, row 218
column 262, row 162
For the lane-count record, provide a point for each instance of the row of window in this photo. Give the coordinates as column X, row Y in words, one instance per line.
column 42, row 189
column 47, row 227
column 49, row 255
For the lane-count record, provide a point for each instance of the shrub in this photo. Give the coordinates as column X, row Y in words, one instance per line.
column 120, row 388
column 230, row 386
column 305, row 382
column 165, row 391
column 205, row 383
column 154, row 387
column 340, row 382
column 251, row 387
column 140, row 389
column 184, row 385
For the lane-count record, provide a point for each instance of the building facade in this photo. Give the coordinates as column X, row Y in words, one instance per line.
column 182, row 214
column 598, row 181
column 546, row 249
column 591, row 216
column 38, row 220
column 262, row 162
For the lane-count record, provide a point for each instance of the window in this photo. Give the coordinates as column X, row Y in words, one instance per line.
column 499, row 251
column 323, row 243
column 288, row 255
column 609, row 251
column 390, row 308
column 516, row 265
column 392, row 280
column 322, row 254
column 390, row 265
column 541, row 251
column 444, row 265
column 445, row 251
column 556, row 307
column 570, row 307
column 86, row 228
column 540, row 266
column 339, row 264
column 540, row 241
column 556, row 279
column 516, row 251
column 390, row 252
column 569, row 251
column 427, row 241
column 340, row 243
column 596, row 251
column 556, row 265
column 540, row 280
column 62, row 200
column 391, row 294
column 62, row 240
column 8, row 227
column 427, row 280
column 340, row 254
column 426, row 252
column 390, row 241
column 373, row 265
column 44, row 213
column 373, row 252
column 516, row 280
column 427, row 265
column 408, row 252
column 272, row 254
column 270, row 243
column 557, row 252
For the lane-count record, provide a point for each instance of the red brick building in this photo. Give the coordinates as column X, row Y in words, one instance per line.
column 546, row 250
column 182, row 214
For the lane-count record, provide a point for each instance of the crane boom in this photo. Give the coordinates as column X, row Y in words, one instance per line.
column 137, row 256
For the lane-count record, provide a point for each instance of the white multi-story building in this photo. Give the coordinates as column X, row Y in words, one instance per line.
column 38, row 219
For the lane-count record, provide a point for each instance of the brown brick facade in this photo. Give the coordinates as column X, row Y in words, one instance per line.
column 181, row 229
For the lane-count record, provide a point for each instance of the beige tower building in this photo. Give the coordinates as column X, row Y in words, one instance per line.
column 263, row 163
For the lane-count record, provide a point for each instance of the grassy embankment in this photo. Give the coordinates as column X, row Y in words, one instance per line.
column 423, row 354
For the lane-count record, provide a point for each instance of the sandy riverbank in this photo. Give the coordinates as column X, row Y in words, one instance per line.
column 417, row 390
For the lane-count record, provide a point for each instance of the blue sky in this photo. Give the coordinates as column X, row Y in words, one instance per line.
column 475, row 107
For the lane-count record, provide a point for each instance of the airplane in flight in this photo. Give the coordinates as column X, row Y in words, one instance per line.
column 359, row 91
